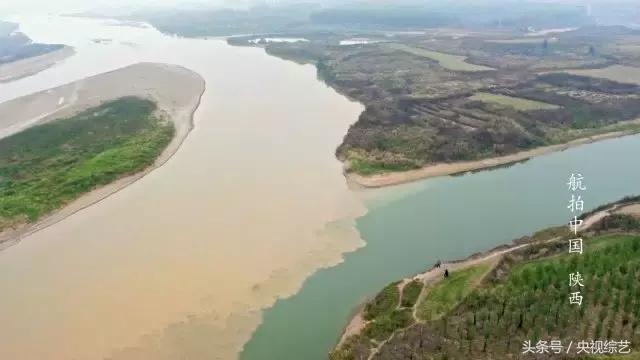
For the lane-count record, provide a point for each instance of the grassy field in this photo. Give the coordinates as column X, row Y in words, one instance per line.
column 448, row 61
column 47, row 166
column 410, row 293
column 444, row 295
column 384, row 303
column 620, row 73
column 514, row 102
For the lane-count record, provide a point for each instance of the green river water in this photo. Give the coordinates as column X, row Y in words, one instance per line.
column 447, row 218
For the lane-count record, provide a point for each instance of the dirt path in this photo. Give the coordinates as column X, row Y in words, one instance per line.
column 431, row 276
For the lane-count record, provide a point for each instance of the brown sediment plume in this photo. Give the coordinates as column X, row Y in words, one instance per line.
column 182, row 262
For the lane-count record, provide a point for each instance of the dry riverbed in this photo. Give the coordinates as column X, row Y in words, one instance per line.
column 174, row 89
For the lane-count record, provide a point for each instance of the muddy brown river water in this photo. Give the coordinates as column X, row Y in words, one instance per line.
column 180, row 264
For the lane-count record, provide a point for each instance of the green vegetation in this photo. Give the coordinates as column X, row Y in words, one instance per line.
column 383, row 326
column 528, row 300
column 489, row 310
column 384, row 303
column 448, row 61
column 514, row 102
column 46, row 166
column 445, row 295
column 428, row 102
column 411, row 292
column 418, row 76
column 370, row 165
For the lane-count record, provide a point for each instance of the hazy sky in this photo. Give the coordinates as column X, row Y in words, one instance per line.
column 66, row 6
column 57, row 6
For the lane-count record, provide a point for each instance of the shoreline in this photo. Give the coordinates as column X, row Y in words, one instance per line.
column 445, row 169
column 191, row 214
column 357, row 323
column 23, row 68
column 12, row 237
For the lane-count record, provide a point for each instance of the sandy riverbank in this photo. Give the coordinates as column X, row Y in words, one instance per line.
column 176, row 91
column 395, row 178
column 30, row 66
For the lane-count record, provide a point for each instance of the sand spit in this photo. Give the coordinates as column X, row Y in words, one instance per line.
column 395, row 178
column 176, row 91
column 33, row 65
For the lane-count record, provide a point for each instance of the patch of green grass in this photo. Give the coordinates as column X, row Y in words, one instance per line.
column 383, row 326
column 514, row 102
column 371, row 167
column 560, row 137
column 384, row 303
column 49, row 165
column 447, row 293
column 448, row 61
column 411, row 292
column 366, row 164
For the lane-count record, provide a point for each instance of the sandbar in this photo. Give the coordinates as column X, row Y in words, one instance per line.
column 176, row 91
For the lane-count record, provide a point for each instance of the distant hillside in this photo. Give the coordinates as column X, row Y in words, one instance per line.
column 16, row 45
column 362, row 16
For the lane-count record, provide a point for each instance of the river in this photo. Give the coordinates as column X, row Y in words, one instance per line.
column 179, row 264
column 409, row 227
